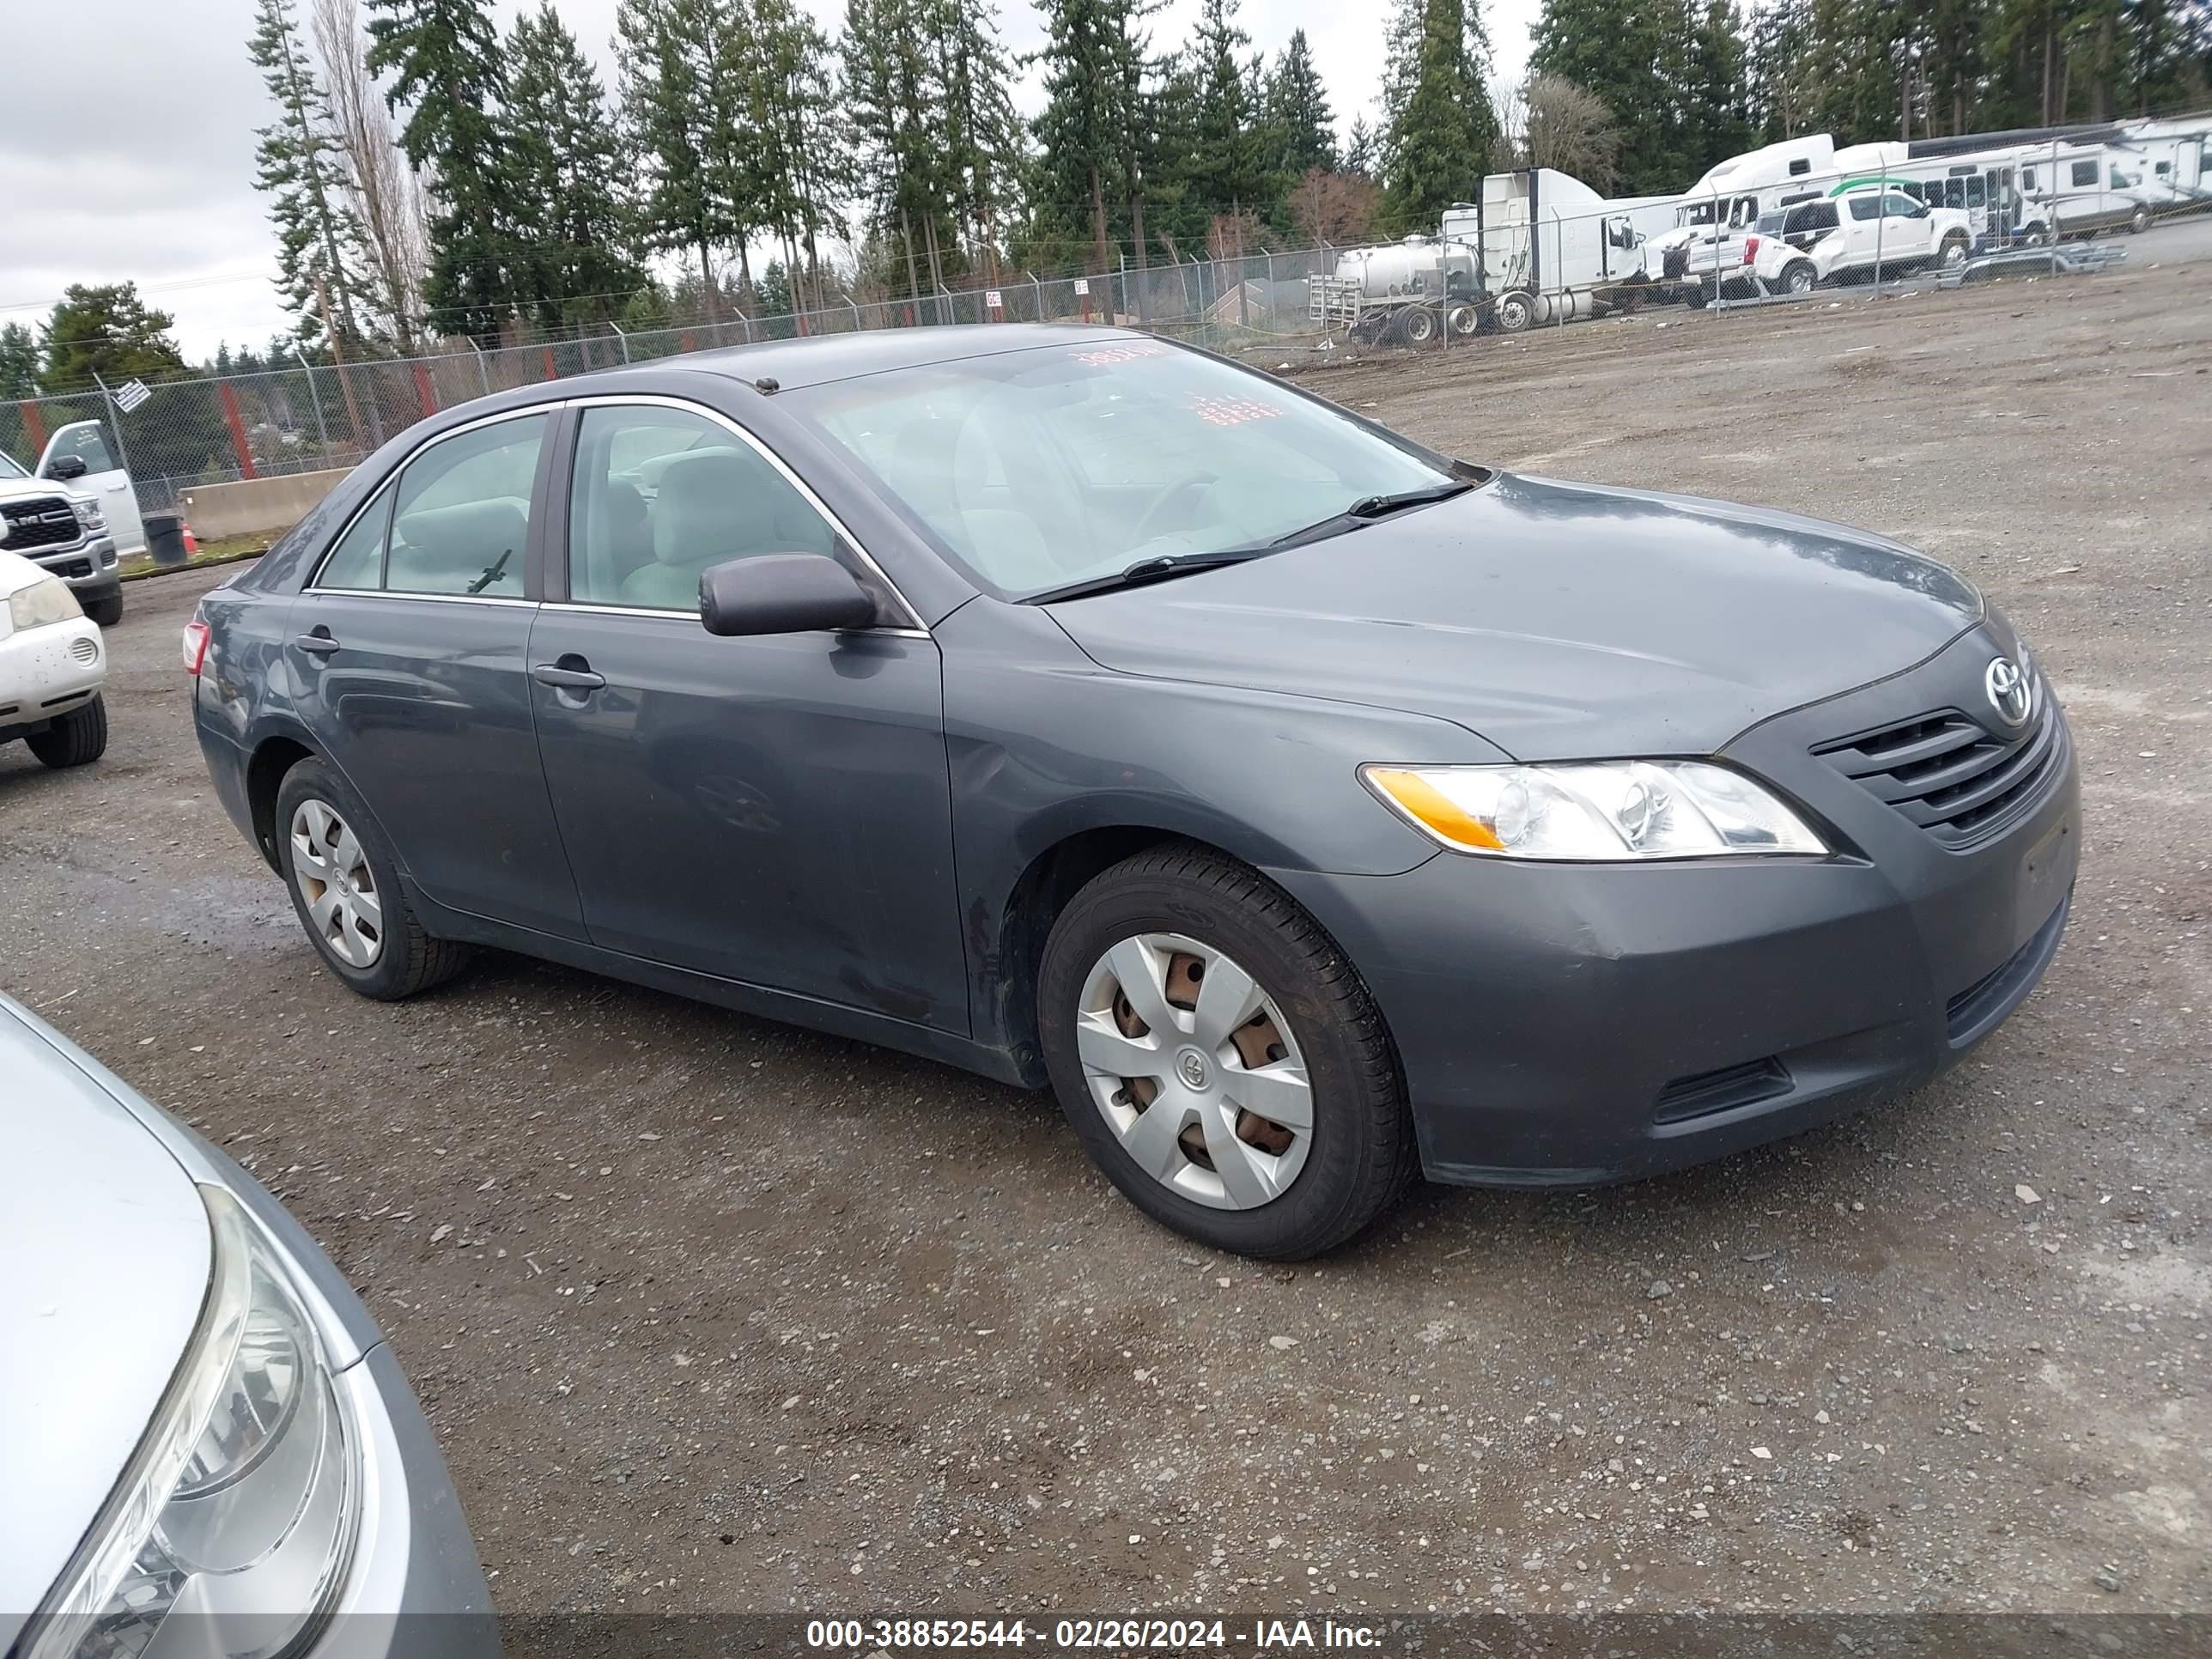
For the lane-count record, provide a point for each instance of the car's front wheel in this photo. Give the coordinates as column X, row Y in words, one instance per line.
column 107, row 609
column 345, row 889
column 76, row 738
column 1220, row 1059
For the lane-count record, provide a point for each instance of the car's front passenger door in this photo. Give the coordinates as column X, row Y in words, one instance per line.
column 774, row 810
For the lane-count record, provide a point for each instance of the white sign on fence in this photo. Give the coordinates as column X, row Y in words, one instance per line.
column 131, row 394
column 1082, row 286
column 994, row 299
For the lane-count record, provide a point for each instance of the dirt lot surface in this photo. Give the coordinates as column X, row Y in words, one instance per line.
column 713, row 1313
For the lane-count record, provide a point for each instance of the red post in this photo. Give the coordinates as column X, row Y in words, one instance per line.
column 237, row 425
column 423, row 394
column 34, row 423
column 551, row 372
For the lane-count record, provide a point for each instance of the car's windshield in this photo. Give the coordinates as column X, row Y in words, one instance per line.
column 1048, row 467
column 8, row 467
column 1770, row 224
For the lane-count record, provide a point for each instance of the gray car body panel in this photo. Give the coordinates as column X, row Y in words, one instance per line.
column 1560, row 621
column 713, row 784
column 107, row 1242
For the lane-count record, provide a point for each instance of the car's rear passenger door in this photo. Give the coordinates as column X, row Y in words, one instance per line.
column 774, row 809
column 408, row 648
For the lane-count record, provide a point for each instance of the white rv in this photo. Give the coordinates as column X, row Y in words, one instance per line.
column 2169, row 162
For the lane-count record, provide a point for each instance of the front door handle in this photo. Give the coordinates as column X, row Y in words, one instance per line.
column 319, row 643
column 567, row 679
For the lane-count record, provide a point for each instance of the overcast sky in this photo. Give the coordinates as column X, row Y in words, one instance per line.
column 144, row 170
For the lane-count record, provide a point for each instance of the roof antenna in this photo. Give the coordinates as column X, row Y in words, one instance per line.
column 768, row 386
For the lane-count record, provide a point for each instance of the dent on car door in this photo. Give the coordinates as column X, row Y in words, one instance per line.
column 774, row 810
column 408, row 648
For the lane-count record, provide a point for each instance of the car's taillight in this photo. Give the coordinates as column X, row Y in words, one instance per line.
column 1750, row 249
column 196, row 645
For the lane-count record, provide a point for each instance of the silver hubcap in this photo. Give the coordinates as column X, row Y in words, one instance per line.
column 1194, row 1069
column 335, row 885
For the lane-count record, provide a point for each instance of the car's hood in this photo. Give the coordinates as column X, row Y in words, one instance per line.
column 1557, row 620
column 16, row 489
column 104, row 1263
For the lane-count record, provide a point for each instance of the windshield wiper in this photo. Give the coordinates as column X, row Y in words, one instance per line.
column 1367, row 508
column 1161, row 567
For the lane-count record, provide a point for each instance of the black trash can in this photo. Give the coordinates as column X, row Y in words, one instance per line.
column 165, row 536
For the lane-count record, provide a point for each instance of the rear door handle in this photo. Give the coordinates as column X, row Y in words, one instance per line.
column 567, row 679
column 321, row 644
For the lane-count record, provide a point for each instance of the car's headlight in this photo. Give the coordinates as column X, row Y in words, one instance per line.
column 238, row 1512
column 1594, row 811
column 88, row 515
column 47, row 600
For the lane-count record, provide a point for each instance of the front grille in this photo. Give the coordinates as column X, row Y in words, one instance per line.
column 50, row 523
column 1952, row 775
column 1717, row 1091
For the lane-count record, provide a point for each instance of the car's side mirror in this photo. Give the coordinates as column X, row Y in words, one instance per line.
column 782, row 593
column 62, row 468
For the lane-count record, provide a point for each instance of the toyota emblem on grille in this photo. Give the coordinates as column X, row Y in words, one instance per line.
column 2007, row 684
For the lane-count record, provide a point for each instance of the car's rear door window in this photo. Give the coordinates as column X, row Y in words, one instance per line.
column 357, row 561
column 661, row 496
column 461, row 514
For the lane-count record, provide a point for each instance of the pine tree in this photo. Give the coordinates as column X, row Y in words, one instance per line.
column 1227, row 168
column 564, row 156
column 1094, row 124
column 1441, row 130
column 1616, row 53
column 982, row 135
column 1363, row 149
column 675, row 125
column 301, row 167
column 894, row 107
column 18, row 361
column 799, row 167
column 443, row 57
column 1713, row 96
column 1299, row 112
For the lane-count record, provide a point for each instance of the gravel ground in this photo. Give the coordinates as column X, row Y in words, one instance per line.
column 713, row 1313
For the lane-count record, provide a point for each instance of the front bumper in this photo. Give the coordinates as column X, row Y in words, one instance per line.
column 46, row 671
column 416, row 1588
column 1567, row 1025
column 90, row 568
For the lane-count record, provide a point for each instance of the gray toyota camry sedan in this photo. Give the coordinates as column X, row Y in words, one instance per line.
column 1304, row 808
column 205, row 1446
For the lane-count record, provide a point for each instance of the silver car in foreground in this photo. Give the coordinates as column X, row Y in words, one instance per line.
column 205, row 1444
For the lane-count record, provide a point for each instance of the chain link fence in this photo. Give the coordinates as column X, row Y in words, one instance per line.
column 194, row 431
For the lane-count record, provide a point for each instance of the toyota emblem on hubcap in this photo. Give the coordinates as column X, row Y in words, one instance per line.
column 2007, row 684
column 1193, row 1066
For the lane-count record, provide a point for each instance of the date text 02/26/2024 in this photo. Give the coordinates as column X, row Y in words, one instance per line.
column 1081, row 1635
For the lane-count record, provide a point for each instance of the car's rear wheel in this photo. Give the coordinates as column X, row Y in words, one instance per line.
column 1417, row 326
column 345, row 889
column 1799, row 278
column 1220, row 1059
column 2139, row 220
column 76, row 738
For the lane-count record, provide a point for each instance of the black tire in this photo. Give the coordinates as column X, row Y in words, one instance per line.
column 1800, row 277
column 1417, row 326
column 1952, row 252
column 2139, row 220
column 76, row 738
column 410, row 960
column 1515, row 312
column 1362, row 1155
column 107, row 611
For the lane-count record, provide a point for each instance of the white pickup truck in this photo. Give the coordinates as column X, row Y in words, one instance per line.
column 57, row 524
column 1851, row 233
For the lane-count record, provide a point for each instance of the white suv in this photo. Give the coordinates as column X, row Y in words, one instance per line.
column 52, row 665
column 1851, row 233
